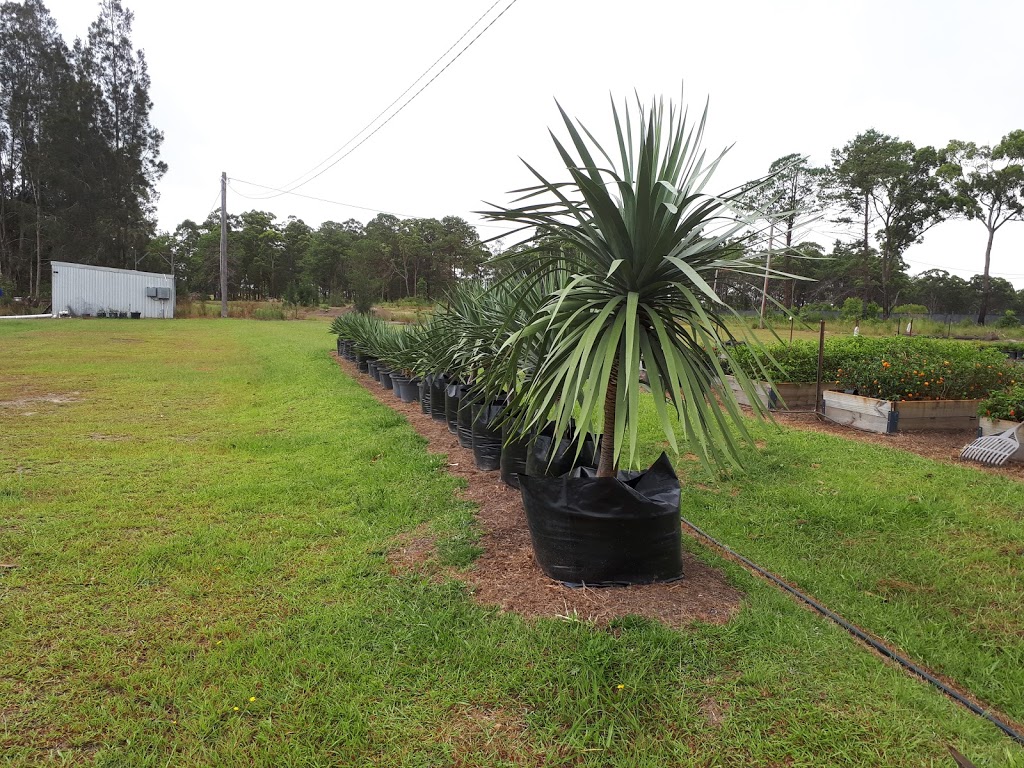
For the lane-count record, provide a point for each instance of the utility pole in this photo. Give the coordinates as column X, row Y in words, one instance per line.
column 224, row 244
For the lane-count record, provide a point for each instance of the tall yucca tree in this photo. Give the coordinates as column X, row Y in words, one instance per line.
column 640, row 237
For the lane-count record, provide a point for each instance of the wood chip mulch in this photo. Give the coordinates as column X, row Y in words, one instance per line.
column 506, row 574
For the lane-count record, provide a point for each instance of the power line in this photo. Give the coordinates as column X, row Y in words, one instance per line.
column 397, row 99
column 334, row 202
column 398, row 111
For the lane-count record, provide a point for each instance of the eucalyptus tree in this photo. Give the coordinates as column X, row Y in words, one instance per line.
column 121, row 79
column 35, row 78
column 892, row 185
column 642, row 240
column 987, row 184
column 789, row 195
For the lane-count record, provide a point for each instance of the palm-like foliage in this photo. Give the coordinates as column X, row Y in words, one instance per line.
column 638, row 237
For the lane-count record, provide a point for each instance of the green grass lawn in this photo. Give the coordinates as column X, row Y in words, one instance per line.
column 200, row 534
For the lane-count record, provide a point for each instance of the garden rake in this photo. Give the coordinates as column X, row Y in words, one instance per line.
column 993, row 450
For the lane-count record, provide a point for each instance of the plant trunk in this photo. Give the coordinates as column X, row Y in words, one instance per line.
column 985, row 279
column 606, row 466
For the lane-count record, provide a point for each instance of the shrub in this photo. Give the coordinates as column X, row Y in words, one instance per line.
column 852, row 309
column 786, row 362
column 1007, row 404
column 268, row 313
column 1008, row 320
column 910, row 309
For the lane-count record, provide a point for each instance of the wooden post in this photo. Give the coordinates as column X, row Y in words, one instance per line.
column 821, row 365
column 224, row 244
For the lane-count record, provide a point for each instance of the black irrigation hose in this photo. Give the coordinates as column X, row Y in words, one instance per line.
column 863, row 636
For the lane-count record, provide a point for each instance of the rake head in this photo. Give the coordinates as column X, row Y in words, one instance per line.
column 993, row 450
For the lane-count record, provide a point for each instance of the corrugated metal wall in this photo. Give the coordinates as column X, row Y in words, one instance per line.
column 84, row 290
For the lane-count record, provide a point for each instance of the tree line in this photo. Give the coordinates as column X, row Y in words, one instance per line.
column 888, row 192
column 386, row 259
column 79, row 157
column 79, row 165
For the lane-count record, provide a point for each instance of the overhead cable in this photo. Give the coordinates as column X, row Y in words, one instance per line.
column 290, row 188
column 334, row 202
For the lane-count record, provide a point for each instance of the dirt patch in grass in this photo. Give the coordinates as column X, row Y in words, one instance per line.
column 54, row 399
column 507, row 575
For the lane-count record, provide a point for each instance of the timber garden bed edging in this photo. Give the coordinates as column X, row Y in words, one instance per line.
column 888, row 416
column 777, row 396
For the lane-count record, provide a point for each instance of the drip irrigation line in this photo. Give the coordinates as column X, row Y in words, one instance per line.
column 862, row 636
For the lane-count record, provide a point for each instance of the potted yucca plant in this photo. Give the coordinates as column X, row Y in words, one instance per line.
column 638, row 237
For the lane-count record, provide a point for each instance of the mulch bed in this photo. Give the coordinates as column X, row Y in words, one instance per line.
column 507, row 575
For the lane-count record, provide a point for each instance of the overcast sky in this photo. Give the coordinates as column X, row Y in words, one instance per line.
column 267, row 90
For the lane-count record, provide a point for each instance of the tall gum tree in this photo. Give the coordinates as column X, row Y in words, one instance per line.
column 121, row 76
column 34, row 77
column 987, row 184
column 893, row 187
column 790, row 198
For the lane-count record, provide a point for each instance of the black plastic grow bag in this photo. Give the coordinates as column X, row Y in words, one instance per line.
column 606, row 531
column 437, row 388
column 453, row 395
column 487, row 435
column 424, row 387
column 513, row 456
column 371, row 368
column 361, row 363
column 385, row 378
column 467, row 407
column 548, row 457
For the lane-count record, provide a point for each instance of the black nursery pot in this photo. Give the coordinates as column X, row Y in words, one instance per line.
column 362, row 364
column 424, row 387
column 409, row 391
column 385, row 378
column 371, row 368
column 551, row 457
column 606, row 531
column 487, row 436
column 453, row 395
column 397, row 380
column 513, row 456
column 464, row 421
column 437, row 388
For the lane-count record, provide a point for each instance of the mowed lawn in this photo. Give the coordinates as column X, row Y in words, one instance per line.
column 199, row 514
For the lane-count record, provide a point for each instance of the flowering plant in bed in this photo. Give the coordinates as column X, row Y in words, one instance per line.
column 903, row 368
column 1007, row 405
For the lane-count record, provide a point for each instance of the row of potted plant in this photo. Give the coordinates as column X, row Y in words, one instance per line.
column 613, row 278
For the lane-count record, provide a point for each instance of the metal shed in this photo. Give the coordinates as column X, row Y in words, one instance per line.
column 80, row 289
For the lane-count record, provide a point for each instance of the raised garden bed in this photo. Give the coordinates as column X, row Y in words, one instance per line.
column 778, row 396
column 889, row 416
